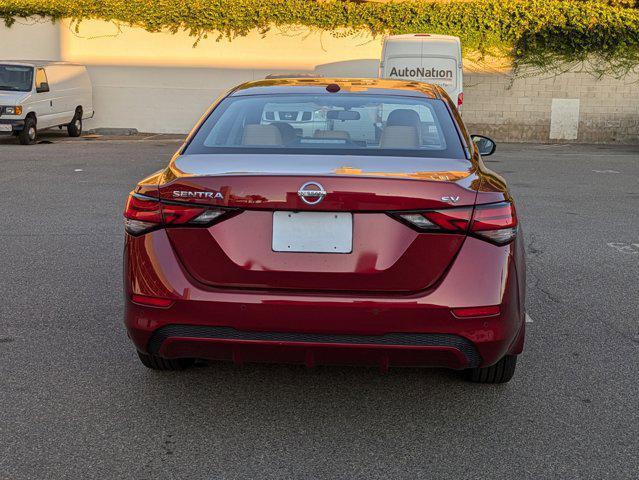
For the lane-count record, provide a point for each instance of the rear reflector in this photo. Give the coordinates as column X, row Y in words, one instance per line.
column 152, row 301
column 460, row 99
column 476, row 311
column 496, row 222
column 144, row 214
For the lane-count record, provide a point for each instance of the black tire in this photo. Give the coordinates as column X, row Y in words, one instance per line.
column 501, row 372
column 75, row 127
column 158, row 363
column 29, row 134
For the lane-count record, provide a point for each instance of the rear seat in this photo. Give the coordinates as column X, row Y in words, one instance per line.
column 399, row 137
column 332, row 134
column 261, row 135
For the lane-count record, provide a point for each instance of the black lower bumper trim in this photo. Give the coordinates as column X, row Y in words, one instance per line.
column 462, row 344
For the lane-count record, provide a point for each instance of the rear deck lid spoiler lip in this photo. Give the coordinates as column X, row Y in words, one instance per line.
column 410, row 168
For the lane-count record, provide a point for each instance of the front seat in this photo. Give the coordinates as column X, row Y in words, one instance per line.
column 402, row 130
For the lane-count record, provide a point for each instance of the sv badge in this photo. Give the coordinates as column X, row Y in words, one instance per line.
column 451, row 199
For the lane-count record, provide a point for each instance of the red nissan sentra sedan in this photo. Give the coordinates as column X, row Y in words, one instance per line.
column 327, row 221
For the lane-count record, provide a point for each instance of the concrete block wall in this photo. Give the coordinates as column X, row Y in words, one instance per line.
column 521, row 110
column 158, row 82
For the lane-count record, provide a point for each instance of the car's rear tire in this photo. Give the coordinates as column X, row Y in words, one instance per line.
column 75, row 127
column 501, row 372
column 29, row 133
column 158, row 363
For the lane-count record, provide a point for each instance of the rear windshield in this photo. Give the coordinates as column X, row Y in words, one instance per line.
column 16, row 78
column 336, row 124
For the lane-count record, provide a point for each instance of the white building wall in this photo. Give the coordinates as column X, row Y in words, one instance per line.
column 30, row 40
column 160, row 82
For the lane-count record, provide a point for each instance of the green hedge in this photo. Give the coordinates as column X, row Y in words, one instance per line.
column 538, row 32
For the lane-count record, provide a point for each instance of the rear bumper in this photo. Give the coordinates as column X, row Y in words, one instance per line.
column 251, row 325
column 225, row 343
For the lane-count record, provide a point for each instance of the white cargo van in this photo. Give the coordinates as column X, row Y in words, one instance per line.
column 423, row 57
column 35, row 95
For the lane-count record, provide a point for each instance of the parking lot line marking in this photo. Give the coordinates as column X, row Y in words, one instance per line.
column 77, row 170
column 631, row 248
column 152, row 136
column 528, row 319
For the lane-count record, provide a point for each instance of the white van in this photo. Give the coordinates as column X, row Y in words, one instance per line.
column 35, row 95
column 423, row 57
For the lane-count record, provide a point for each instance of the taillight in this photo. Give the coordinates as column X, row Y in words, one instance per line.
column 453, row 220
column 460, row 99
column 496, row 223
column 144, row 214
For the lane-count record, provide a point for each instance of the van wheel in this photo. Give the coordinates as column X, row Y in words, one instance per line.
column 75, row 127
column 501, row 372
column 158, row 363
column 29, row 133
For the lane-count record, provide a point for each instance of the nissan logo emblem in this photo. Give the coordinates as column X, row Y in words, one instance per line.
column 311, row 193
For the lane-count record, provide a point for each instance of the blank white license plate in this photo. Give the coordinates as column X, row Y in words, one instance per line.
column 5, row 128
column 313, row 232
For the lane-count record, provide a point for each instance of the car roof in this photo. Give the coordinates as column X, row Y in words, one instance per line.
column 37, row 63
column 347, row 85
column 420, row 37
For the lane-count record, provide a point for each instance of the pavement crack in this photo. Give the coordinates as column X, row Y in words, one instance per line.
column 538, row 286
column 531, row 248
column 535, row 252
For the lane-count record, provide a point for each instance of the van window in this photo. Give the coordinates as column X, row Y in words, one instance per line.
column 41, row 77
column 16, row 78
column 330, row 124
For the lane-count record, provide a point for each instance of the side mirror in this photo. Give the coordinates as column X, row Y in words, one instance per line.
column 42, row 88
column 484, row 144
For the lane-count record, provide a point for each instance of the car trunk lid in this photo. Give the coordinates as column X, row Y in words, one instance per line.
column 385, row 254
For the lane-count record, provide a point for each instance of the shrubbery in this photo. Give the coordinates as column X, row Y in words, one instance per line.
column 538, row 32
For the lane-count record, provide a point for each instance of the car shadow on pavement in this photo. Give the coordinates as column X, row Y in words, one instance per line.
column 318, row 393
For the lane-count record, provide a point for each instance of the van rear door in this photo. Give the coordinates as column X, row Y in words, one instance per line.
column 434, row 59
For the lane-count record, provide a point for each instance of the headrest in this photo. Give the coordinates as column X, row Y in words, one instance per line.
column 287, row 131
column 403, row 117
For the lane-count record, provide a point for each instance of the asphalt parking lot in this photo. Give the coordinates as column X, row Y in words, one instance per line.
column 76, row 403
